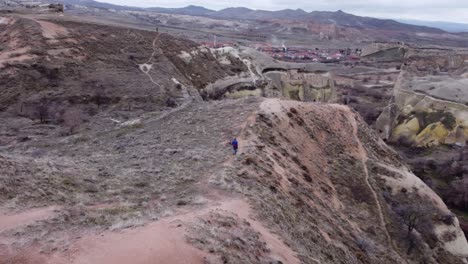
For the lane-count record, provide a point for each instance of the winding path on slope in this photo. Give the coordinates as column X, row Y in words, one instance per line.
column 147, row 66
column 364, row 158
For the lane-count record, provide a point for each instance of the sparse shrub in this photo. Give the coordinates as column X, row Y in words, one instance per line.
column 449, row 236
column 365, row 244
column 38, row 51
column 56, row 112
column 49, row 73
column 170, row 102
column 448, row 219
column 404, row 141
column 249, row 161
column 72, row 119
column 141, row 184
column 296, row 160
column 14, row 55
column 307, row 177
column 361, row 193
column 359, row 89
column 376, row 94
column 353, row 100
column 99, row 96
column 92, row 110
column 446, row 118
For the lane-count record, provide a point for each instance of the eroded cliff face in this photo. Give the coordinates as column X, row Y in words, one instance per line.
column 435, row 60
column 301, row 86
column 427, row 111
column 267, row 77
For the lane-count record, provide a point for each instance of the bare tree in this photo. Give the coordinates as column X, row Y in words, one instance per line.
column 458, row 195
column 415, row 216
column 72, row 119
column 99, row 95
column 42, row 111
column 19, row 107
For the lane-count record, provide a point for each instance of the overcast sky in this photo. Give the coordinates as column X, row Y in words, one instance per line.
column 430, row 10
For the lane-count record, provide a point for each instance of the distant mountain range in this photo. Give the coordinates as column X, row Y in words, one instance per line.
column 447, row 26
column 338, row 18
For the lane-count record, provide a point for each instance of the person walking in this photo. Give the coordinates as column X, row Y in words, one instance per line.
column 235, row 145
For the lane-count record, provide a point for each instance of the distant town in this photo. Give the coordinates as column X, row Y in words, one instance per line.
column 299, row 54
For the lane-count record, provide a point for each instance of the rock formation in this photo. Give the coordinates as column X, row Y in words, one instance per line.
column 427, row 111
column 267, row 77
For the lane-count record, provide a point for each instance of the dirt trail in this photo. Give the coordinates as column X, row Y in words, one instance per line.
column 161, row 242
column 12, row 221
column 364, row 158
column 148, row 65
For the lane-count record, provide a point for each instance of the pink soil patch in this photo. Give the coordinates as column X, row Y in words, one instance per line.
column 161, row 242
column 51, row 30
column 11, row 221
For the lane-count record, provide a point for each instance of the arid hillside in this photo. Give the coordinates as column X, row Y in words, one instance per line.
column 313, row 184
column 61, row 64
column 115, row 149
